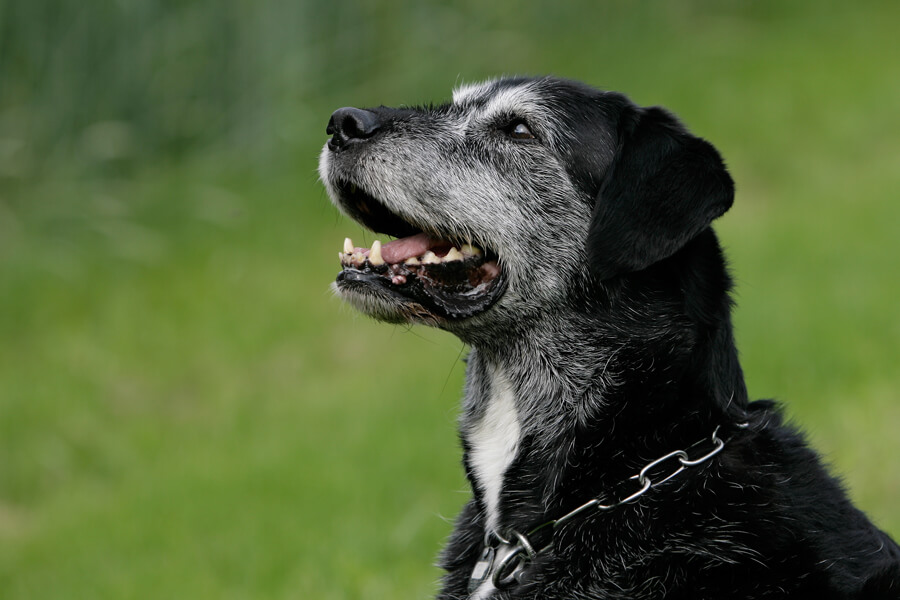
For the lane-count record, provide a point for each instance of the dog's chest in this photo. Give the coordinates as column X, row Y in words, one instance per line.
column 493, row 442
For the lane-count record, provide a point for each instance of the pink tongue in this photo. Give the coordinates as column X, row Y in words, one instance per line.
column 415, row 245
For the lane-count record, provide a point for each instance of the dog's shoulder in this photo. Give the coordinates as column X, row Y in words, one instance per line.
column 801, row 516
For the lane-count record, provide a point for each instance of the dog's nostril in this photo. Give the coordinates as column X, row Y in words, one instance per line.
column 348, row 124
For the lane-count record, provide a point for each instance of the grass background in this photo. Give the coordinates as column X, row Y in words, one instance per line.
column 185, row 411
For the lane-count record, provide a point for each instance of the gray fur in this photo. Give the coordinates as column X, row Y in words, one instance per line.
column 428, row 173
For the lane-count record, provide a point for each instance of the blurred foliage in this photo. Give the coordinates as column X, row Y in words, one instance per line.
column 111, row 83
column 185, row 411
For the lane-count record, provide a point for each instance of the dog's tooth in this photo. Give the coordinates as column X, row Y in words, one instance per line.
column 412, row 260
column 348, row 246
column 469, row 250
column 375, row 254
column 430, row 258
column 453, row 254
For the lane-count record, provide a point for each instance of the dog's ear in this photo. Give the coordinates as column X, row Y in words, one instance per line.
column 664, row 187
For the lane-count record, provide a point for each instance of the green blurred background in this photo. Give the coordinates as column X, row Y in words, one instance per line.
column 187, row 412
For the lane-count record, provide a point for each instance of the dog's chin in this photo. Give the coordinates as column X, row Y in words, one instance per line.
column 382, row 305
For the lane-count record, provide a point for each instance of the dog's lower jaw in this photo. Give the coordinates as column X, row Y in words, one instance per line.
column 384, row 307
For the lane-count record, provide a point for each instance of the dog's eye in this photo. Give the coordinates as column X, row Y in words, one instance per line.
column 520, row 131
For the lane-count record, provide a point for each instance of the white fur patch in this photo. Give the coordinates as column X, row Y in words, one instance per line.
column 468, row 90
column 521, row 100
column 494, row 441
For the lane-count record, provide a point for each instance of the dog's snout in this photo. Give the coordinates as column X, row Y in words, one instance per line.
column 351, row 124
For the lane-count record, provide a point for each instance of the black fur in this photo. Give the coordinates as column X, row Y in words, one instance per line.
column 765, row 520
column 638, row 359
column 664, row 186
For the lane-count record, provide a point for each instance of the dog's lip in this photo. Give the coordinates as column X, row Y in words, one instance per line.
column 409, row 256
column 450, row 289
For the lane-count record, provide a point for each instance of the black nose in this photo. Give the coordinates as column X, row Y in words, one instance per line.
column 350, row 125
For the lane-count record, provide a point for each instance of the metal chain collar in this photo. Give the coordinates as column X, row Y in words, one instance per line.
column 515, row 554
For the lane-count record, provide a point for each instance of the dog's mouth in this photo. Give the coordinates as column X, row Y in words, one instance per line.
column 449, row 277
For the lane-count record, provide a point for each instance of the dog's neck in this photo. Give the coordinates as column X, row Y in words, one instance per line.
column 572, row 406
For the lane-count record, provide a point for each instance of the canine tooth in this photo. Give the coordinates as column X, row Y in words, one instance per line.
column 430, row 258
column 348, row 246
column 469, row 250
column 412, row 260
column 375, row 254
column 453, row 254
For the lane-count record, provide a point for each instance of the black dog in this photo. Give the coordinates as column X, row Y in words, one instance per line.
column 564, row 234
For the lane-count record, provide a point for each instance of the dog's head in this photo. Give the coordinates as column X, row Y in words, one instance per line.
column 512, row 199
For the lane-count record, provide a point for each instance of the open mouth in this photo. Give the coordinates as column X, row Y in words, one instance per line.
column 449, row 277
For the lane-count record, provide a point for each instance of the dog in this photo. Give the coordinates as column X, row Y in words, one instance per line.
column 564, row 234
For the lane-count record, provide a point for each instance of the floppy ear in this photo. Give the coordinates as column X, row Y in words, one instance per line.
column 664, row 187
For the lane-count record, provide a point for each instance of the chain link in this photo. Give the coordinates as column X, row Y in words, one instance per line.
column 684, row 462
column 521, row 551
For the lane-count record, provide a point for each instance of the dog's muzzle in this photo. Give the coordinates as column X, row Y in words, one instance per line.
column 431, row 270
